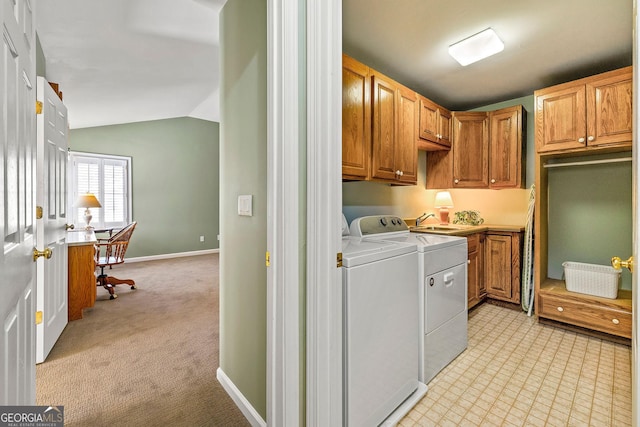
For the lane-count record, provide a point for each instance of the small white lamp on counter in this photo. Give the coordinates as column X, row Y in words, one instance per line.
column 87, row 201
column 443, row 202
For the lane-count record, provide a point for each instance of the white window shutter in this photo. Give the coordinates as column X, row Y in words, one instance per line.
column 108, row 178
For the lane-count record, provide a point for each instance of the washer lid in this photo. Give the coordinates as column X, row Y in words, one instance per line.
column 362, row 251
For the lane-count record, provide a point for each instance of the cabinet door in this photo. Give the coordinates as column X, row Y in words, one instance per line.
column 434, row 130
column 356, row 119
column 475, row 283
column 498, row 267
column 428, row 120
column 609, row 113
column 506, row 148
column 560, row 118
column 384, row 127
column 406, row 152
column 444, row 126
column 471, row 150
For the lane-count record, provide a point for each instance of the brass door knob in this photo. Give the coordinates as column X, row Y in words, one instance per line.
column 69, row 227
column 47, row 253
column 617, row 263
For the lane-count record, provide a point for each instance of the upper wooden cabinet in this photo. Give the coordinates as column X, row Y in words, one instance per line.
column 487, row 151
column 356, row 119
column 379, row 126
column 395, row 122
column 588, row 113
column 471, row 150
column 434, row 132
column 507, row 148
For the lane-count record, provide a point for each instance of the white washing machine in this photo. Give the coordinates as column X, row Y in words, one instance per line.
column 442, row 283
column 380, row 331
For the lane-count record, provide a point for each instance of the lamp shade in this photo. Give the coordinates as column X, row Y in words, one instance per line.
column 88, row 200
column 443, row 200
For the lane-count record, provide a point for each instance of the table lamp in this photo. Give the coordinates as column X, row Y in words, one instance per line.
column 443, row 202
column 87, row 201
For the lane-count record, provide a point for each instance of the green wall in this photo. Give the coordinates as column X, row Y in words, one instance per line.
column 41, row 62
column 243, row 170
column 589, row 219
column 175, row 180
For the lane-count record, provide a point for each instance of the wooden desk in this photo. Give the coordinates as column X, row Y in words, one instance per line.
column 81, row 276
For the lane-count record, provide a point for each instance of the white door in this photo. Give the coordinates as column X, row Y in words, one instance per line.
column 17, row 216
column 51, row 195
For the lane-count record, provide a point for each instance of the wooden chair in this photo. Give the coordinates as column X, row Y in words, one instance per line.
column 111, row 251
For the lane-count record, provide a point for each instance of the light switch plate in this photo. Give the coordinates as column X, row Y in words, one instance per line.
column 245, row 207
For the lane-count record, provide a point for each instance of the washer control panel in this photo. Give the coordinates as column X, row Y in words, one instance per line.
column 377, row 224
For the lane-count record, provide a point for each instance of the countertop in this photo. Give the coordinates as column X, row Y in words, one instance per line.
column 81, row 237
column 464, row 230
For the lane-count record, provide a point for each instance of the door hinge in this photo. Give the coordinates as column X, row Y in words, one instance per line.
column 38, row 212
column 38, row 107
column 38, row 317
column 339, row 259
column 267, row 259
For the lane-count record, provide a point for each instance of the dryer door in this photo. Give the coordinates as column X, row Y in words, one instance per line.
column 445, row 296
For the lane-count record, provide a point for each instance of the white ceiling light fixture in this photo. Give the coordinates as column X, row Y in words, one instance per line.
column 477, row 47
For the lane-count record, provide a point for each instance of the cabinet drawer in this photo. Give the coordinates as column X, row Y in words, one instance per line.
column 586, row 314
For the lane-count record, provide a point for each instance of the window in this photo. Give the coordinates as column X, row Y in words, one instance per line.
column 109, row 178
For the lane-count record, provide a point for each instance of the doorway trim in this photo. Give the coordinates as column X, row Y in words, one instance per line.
column 283, row 213
column 324, row 207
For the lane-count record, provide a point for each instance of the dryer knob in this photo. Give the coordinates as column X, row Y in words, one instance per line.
column 383, row 221
column 431, row 282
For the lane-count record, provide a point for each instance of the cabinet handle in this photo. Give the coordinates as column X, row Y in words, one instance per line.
column 455, row 181
column 591, row 138
column 581, row 140
column 615, row 321
column 401, row 173
column 469, row 261
column 560, row 309
column 493, row 181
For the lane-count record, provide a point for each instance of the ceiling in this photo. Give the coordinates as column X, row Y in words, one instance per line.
column 121, row 61
column 546, row 42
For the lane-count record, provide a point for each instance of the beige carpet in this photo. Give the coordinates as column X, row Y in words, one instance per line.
column 147, row 358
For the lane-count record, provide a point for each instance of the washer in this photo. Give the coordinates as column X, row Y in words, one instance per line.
column 442, row 283
column 380, row 330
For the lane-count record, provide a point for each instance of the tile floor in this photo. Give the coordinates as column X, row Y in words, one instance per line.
column 517, row 372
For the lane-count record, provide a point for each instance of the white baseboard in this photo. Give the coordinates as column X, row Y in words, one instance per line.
column 175, row 255
column 241, row 402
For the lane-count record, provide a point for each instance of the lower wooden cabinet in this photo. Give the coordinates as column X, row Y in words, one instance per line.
column 494, row 266
column 502, row 265
column 612, row 316
column 476, row 291
column 82, row 278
